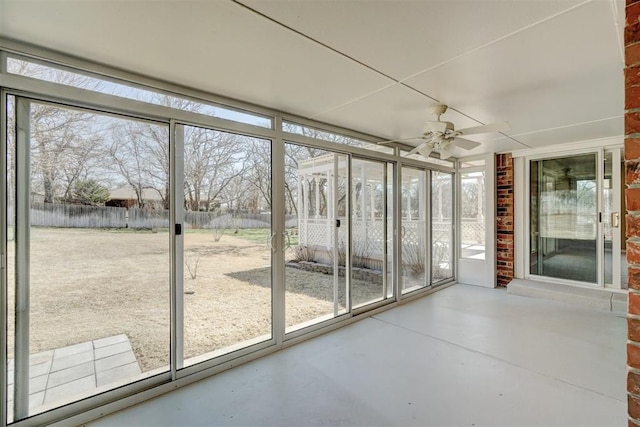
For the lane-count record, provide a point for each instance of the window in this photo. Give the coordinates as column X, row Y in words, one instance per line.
column 125, row 90
column 324, row 135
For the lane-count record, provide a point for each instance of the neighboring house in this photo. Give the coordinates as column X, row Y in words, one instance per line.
column 125, row 197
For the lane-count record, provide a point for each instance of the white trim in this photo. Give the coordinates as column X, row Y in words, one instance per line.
column 569, row 148
column 522, row 179
column 472, row 271
column 4, row 284
column 520, row 209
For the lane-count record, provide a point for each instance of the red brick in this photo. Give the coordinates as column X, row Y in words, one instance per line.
column 633, row 403
column 634, row 303
column 633, row 225
column 632, row 74
column 633, row 252
column 632, row 97
column 633, row 383
column 634, row 277
column 632, row 197
column 633, row 423
column 633, row 358
column 633, row 330
column 633, row 12
column 631, row 56
column 632, row 148
column 631, row 123
column 632, row 171
column 632, row 33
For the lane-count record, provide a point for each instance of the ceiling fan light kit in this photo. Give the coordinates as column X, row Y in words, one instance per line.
column 442, row 137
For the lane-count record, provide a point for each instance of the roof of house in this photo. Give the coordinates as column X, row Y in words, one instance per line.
column 127, row 193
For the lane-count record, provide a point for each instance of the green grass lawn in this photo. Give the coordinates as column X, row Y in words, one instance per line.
column 257, row 235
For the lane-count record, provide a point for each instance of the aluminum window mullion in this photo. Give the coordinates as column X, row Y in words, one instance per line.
column 385, row 237
column 176, row 185
column 3, row 255
column 278, row 225
column 348, row 269
column 104, row 102
column 428, row 176
column 397, row 194
column 22, row 223
column 599, row 169
column 336, row 236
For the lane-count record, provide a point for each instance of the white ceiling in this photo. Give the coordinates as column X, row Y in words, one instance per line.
column 552, row 69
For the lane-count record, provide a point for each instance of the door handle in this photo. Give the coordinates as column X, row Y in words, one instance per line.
column 287, row 240
column 270, row 240
column 615, row 219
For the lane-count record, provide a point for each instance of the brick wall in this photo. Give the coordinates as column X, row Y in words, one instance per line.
column 504, row 218
column 632, row 195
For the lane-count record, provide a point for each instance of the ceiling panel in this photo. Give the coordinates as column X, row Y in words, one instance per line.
column 220, row 47
column 553, row 69
column 580, row 132
column 393, row 113
column 565, row 71
column 401, row 38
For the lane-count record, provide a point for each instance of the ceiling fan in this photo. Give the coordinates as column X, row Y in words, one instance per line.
column 442, row 137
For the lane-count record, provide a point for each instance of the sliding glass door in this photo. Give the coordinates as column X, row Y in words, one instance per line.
column 88, row 254
column 576, row 218
column 317, row 197
column 371, row 246
column 226, row 248
column 415, row 249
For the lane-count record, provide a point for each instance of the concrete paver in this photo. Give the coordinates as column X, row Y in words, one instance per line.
column 65, row 374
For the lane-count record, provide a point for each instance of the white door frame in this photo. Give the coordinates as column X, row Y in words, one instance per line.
column 475, row 271
column 522, row 242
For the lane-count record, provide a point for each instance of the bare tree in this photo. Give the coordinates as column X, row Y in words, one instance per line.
column 259, row 175
column 213, row 160
column 64, row 143
column 139, row 152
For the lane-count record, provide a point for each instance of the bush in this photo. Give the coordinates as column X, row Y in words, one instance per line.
column 304, row 253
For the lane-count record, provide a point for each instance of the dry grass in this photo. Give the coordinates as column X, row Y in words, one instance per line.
column 91, row 284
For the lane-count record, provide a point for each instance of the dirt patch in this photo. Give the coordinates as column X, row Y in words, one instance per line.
column 91, row 284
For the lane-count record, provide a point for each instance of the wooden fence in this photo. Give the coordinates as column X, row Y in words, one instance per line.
column 78, row 216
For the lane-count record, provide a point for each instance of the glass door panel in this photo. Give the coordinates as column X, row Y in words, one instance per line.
column 369, row 247
column 88, row 255
column 227, row 254
column 608, row 219
column 613, row 220
column 564, row 218
column 441, row 226
column 472, row 215
column 414, row 268
column 316, row 187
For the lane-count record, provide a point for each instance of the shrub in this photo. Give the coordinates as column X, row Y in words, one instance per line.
column 304, row 253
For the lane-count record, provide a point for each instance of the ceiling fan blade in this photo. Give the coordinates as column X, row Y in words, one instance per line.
column 415, row 150
column 494, row 127
column 436, row 127
column 398, row 140
column 466, row 144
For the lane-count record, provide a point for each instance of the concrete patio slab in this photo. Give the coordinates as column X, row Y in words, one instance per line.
column 62, row 375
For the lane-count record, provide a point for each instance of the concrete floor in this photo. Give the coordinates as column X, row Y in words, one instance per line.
column 464, row 356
